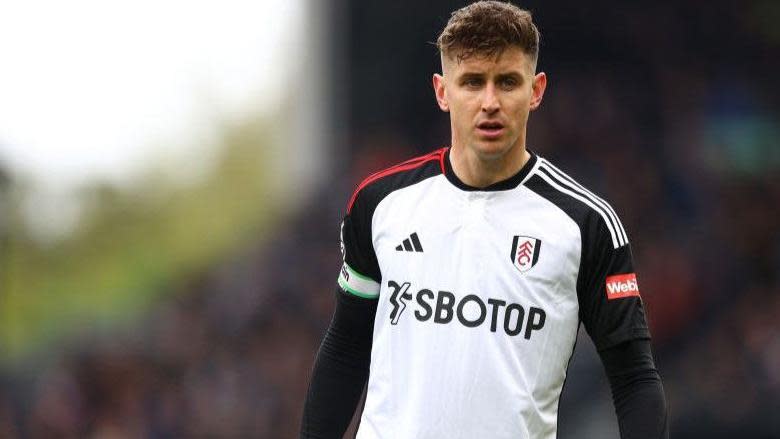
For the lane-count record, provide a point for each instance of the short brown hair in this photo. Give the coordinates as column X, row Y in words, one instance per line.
column 486, row 28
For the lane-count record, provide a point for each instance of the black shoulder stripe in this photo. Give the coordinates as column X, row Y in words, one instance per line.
column 553, row 180
column 590, row 195
column 576, row 210
column 376, row 187
column 356, row 233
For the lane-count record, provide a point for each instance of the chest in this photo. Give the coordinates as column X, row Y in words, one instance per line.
column 511, row 245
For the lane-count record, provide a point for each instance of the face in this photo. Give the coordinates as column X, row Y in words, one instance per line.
column 489, row 100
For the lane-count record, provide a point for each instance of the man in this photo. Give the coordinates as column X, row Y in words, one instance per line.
column 467, row 271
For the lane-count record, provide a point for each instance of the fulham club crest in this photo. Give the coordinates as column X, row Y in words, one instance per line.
column 525, row 252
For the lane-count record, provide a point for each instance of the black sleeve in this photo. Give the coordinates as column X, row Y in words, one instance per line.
column 608, row 292
column 342, row 364
column 341, row 368
column 637, row 391
column 357, row 247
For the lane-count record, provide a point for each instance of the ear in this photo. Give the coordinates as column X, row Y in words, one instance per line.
column 537, row 92
column 439, row 89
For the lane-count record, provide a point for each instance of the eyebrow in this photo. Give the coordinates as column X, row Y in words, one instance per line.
column 479, row 75
column 469, row 75
column 511, row 75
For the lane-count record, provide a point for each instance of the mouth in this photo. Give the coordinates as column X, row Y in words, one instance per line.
column 490, row 129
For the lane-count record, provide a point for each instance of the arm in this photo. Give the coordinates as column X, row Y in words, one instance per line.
column 613, row 313
column 342, row 364
column 341, row 368
column 637, row 390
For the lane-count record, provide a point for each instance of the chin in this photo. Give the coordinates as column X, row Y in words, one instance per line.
column 491, row 150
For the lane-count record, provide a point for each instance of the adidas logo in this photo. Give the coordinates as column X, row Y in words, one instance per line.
column 411, row 244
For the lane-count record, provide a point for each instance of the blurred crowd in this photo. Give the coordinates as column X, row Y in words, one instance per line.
column 675, row 124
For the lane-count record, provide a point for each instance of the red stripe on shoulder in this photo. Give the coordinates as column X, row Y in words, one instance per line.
column 413, row 163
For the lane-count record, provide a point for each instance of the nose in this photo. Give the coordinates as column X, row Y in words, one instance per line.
column 490, row 103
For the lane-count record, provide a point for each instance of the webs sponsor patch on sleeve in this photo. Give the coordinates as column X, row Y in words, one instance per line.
column 622, row 285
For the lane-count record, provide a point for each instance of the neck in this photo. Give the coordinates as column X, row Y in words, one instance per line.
column 480, row 172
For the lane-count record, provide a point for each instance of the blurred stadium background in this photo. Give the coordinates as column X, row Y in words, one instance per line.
column 172, row 178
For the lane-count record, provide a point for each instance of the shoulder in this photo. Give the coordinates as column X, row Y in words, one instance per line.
column 594, row 215
column 380, row 184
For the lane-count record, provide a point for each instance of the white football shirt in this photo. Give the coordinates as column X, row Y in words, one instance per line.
column 480, row 294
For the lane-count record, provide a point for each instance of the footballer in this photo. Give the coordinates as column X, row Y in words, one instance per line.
column 468, row 271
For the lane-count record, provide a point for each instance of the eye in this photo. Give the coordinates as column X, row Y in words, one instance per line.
column 509, row 82
column 472, row 82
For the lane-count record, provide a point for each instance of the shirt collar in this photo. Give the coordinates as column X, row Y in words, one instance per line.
column 503, row 185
